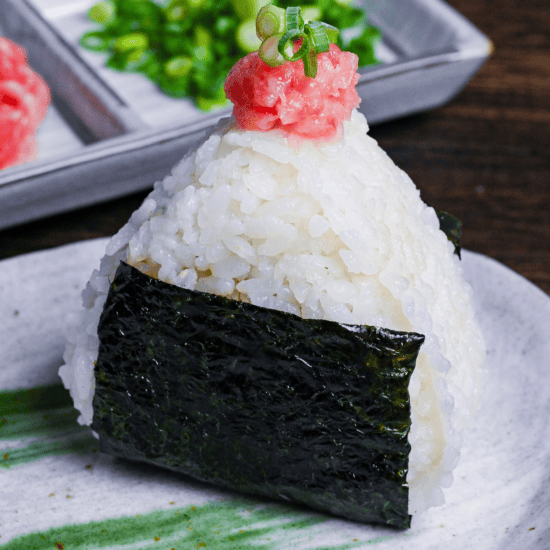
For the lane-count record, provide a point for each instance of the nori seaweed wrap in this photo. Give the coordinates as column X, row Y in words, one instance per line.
column 256, row 399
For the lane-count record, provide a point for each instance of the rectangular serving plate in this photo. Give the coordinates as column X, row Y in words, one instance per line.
column 126, row 126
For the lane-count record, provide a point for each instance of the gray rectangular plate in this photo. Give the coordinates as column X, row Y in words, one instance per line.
column 118, row 134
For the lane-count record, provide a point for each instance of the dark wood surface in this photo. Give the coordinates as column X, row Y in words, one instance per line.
column 484, row 157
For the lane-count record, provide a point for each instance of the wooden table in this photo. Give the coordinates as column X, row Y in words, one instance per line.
column 484, row 157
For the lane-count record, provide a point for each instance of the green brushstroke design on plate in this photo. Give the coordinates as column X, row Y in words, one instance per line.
column 242, row 524
column 42, row 422
column 34, row 399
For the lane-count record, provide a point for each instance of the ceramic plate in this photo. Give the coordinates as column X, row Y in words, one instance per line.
column 60, row 492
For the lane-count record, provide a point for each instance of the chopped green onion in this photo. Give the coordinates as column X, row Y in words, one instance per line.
column 178, row 66
column 202, row 36
column 310, row 63
column 314, row 35
column 95, row 41
column 332, row 32
column 202, row 53
column 136, row 59
column 132, row 41
column 294, row 19
column 286, row 46
column 102, row 12
column 223, row 24
column 194, row 4
column 175, row 13
column 318, row 37
column 269, row 52
column 270, row 20
column 146, row 36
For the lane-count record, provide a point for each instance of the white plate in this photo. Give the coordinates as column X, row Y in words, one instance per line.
column 500, row 498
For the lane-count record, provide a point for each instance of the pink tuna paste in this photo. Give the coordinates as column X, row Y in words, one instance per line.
column 268, row 98
column 24, row 100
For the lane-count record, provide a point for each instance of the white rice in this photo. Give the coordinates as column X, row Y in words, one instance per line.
column 331, row 231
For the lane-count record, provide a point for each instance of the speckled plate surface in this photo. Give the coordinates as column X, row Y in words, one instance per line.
column 59, row 492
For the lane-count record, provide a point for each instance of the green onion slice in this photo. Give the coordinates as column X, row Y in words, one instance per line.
column 270, row 20
column 178, row 66
column 131, row 41
column 94, row 40
column 102, row 12
column 286, row 47
column 269, row 52
column 332, row 32
column 310, row 63
column 280, row 36
column 294, row 19
column 317, row 36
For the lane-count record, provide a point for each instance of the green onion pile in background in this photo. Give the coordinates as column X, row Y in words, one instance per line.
column 187, row 47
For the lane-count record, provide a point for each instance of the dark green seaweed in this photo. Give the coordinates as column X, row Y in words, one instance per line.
column 452, row 227
column 255, row 399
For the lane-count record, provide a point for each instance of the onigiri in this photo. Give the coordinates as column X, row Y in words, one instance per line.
column 289, row 205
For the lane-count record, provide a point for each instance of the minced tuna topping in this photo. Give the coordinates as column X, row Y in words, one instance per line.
column 24, row 100
column 282, row 97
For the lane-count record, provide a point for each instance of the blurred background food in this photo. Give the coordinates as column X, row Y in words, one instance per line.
column 187, row 47
column 24, row 100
